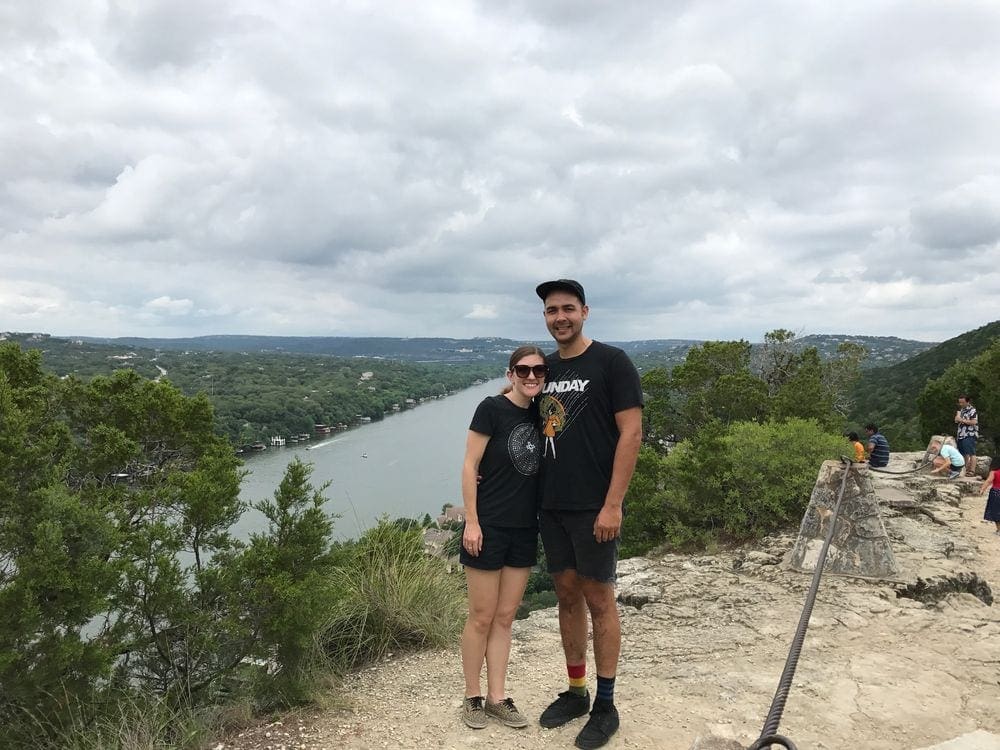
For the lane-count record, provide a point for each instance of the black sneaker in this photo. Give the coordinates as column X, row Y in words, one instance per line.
column 602, row 724
column 566, row 707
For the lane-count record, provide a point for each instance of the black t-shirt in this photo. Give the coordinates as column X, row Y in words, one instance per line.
column 579, row 433
column 508, row 491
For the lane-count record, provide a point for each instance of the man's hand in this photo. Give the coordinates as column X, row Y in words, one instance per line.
column 608, row 524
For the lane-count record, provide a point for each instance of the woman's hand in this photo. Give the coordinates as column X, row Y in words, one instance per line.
column 472, row 538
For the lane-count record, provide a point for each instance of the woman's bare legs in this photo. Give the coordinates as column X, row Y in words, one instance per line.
column 511, row 591
column 484, row 592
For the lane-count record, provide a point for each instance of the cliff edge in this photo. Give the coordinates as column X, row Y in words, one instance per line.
column 885, row 665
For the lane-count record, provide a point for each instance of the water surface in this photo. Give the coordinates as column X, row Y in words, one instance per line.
column 407, row 465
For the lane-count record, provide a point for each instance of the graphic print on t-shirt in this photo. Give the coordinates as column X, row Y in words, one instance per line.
column 522, row 446
column 553, row 419
column 563, row 400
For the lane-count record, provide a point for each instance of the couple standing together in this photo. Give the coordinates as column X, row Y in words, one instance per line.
column 553, row 455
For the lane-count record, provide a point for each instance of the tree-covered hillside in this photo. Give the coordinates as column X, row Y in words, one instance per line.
column 259, row 394
column 646, row 353
column 420, row 349
column 888, row 396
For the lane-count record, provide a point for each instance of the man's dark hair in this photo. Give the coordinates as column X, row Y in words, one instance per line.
column 965, row 397
column 871, row 426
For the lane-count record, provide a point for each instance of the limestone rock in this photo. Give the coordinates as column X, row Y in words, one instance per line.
column 711, row 742
column 978, row 740
column 860, row 545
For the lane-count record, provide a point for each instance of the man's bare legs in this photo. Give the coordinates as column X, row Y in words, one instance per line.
column 577, row 596
column 572, row 616
column 603, row 608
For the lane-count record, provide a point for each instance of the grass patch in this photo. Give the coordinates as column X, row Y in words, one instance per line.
column 391, row 598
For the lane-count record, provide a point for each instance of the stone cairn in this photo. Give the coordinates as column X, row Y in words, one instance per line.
column 860, row 546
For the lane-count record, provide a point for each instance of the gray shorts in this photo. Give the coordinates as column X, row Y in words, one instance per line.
column 568, row 538
column 966, row 446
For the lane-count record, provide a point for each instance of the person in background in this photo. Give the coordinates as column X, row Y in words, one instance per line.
column 967, row 419
column 878, row 447
column 595, row 390
column 500, row 537
column 949, row 458
column 992, row 483
column 859, row 449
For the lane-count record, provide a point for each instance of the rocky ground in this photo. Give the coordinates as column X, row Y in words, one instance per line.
column 705, row 640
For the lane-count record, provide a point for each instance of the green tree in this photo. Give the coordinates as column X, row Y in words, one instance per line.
column 841, row 374
column 803, row 393
column 813, row 389
column 979, row 377
column 119, row 571
column 778, row 359
column 289, row 569
column 715, row 383
column 658, row 415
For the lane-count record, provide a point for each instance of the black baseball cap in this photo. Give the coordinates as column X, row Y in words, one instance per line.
column 544, row 289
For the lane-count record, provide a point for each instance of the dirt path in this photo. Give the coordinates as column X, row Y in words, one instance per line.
column 878, row 671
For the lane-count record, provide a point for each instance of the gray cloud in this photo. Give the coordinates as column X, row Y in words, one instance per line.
column 707, row 170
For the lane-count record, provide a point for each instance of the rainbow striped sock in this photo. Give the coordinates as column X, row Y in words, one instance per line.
column 577, row 678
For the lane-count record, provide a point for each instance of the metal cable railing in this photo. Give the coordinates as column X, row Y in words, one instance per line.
column 769, row 734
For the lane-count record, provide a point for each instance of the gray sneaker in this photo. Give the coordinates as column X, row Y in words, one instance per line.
column 473, row 713
column 506, row 713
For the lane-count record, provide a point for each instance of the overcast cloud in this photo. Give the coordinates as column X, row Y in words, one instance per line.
column 705, row 169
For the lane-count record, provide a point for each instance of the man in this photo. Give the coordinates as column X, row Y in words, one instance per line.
column 878, row 447
column 947, row 458
column 594, row 393
column 967, row 420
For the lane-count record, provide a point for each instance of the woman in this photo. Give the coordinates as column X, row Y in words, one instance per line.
column 499, row 542
column 992, row 483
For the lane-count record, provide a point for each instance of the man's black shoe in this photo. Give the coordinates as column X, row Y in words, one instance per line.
column 602, row 724
column 566, row 707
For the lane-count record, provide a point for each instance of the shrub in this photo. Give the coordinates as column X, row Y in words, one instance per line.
column 135, row 722
column 391, row 597
column 736, row 483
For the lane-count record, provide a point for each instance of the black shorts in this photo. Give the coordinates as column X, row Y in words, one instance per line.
column 503, row 547
column 568, row 538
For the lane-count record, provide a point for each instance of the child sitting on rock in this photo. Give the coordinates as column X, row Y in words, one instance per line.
column 859, row 448
column 947, row 457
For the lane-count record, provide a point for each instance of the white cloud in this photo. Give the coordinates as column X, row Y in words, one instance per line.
column 169, row 306
column 482, row 312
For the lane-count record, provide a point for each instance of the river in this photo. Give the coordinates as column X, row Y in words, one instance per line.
column 407, row 465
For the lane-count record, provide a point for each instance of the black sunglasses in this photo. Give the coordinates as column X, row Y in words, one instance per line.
column 539, row 371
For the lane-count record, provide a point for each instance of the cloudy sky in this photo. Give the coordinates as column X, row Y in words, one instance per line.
column 706, row 169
